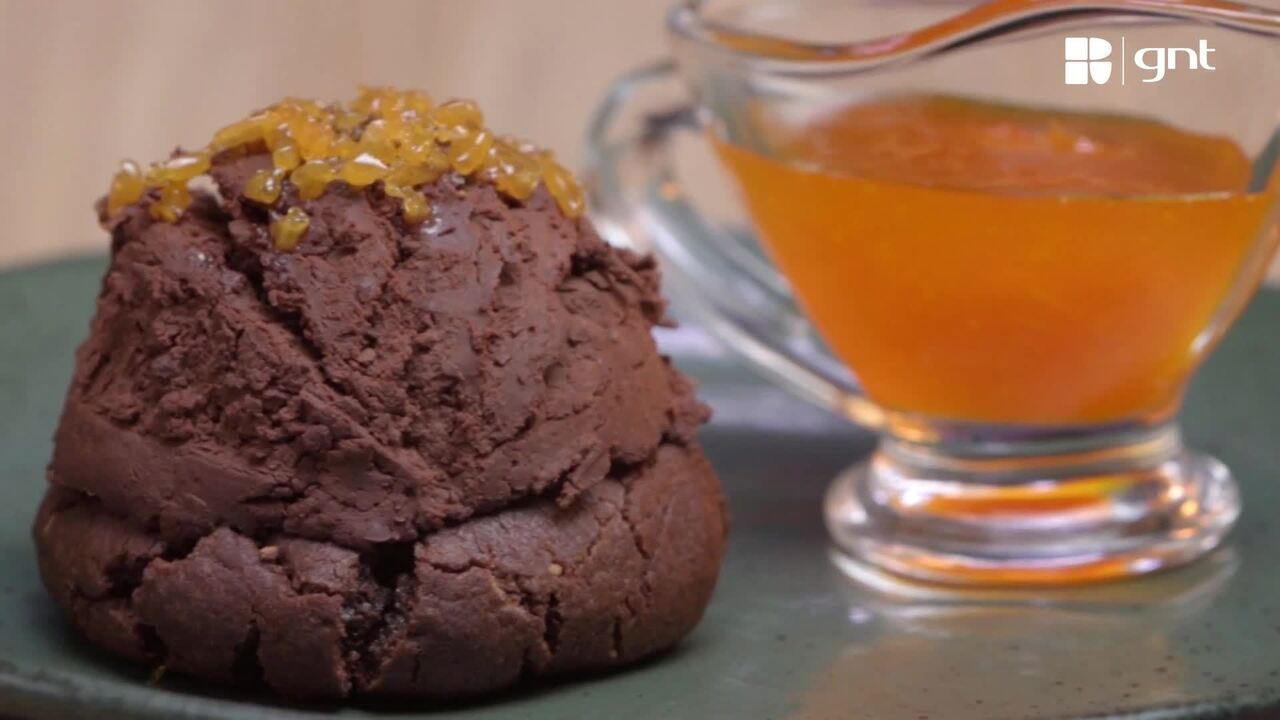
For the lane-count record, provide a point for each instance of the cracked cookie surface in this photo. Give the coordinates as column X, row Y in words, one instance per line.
column 403, row 460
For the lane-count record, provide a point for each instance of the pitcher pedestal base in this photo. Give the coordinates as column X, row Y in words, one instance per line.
column 957, row 521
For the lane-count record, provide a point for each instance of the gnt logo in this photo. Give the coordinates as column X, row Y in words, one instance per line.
column 1087, row 60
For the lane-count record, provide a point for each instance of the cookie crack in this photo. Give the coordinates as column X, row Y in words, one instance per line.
column 390, row 566
column 246, row 667
column 243, row 263
column 545, row 610
column 628, row 610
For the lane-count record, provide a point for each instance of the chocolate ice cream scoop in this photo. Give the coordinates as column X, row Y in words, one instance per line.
column 423, row 446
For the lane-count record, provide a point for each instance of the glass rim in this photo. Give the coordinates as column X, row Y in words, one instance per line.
column 776, row 54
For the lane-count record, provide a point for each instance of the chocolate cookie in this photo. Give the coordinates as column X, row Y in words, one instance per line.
column 536, row 589
column 428, row 458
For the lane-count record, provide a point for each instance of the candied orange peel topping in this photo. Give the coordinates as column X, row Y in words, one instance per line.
column 398, row 139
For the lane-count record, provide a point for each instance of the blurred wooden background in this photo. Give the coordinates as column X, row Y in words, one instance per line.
column 84, row 83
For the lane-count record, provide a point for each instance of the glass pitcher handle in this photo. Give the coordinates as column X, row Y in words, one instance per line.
column 716, row 275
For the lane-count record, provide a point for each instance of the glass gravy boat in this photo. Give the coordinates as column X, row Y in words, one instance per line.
column 1001, row 235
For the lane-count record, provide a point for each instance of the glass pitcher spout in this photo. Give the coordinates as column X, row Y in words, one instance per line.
column 983, row 23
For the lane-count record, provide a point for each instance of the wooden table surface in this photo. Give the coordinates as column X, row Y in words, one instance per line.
column 84, row 83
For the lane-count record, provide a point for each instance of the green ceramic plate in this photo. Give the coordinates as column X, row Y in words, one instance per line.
column 790, row 634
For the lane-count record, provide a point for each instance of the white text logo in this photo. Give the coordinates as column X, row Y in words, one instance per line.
column 1087, row 60
column 1160, row 60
